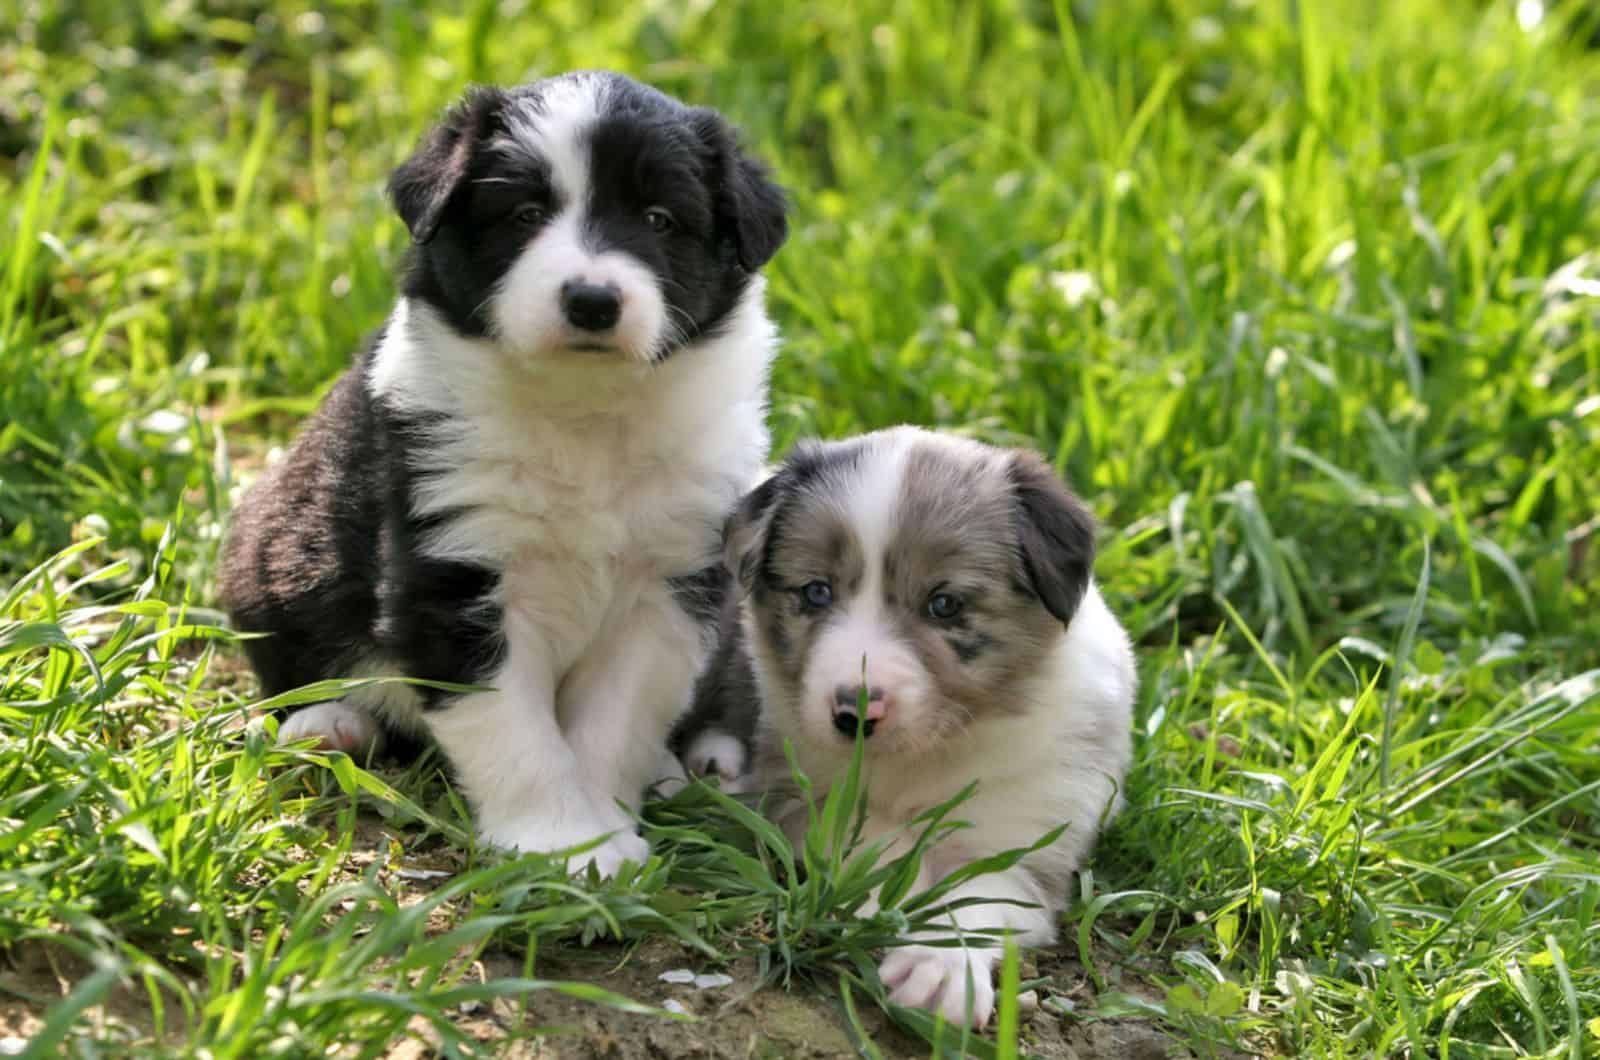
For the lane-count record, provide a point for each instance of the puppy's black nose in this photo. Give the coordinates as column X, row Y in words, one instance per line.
column 591, row 306
column 847, row 701
column 845, row 721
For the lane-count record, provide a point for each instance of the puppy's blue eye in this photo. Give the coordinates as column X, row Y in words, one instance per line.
column 817, row 594
column 943, row 606
column 660, row 219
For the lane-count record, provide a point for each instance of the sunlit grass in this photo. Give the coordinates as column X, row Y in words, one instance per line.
column 1302, row 297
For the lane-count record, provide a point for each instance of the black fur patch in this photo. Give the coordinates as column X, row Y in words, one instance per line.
column 725, row 696
column 1055, row 534
column 702, row 594
column 969, row 646
column 324, row 555
column 764, row 507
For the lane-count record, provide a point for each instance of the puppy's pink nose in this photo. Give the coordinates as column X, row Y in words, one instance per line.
column 847, row 701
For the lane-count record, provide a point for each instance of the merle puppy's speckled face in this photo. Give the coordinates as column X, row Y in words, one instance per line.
column 923, row 574
column 586, row 212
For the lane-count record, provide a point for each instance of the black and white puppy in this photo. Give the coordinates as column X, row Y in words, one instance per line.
column 961, row 575
column 522, row 482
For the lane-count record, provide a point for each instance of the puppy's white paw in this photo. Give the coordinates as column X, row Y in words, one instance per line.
column 533, row 835
column 609, row 856
column 336, row 726
column 718, row 753
column 935, row 978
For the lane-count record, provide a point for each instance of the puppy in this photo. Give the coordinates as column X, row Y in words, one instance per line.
column 960, row 574
column 522, row 482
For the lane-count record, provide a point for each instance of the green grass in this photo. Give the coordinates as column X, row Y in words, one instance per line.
column 1301, row 296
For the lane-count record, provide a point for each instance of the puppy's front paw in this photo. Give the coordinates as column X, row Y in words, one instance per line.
column 336, row 726
column 537, row 836
column 720, row 754
column 936, row 978
column 609, row 856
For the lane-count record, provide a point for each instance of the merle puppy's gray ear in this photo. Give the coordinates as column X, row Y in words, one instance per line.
column 424, row 184
column 744, row 535
column 751, row 208
column 1055, row 535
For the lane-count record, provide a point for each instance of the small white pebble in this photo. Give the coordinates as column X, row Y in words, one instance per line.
column 677, row 975
column 1064, row 1006
column 674, row 1005
column 1028, row 1001
column 712, row 981
column 420, row 874
column 12, row 1045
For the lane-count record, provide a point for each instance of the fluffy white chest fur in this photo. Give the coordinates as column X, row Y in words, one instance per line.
column 583, row 478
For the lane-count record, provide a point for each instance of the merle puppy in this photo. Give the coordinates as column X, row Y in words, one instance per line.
column 956, row 579
column 521, row 482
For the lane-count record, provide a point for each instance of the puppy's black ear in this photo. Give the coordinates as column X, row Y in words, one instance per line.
column 424, row 184
column 744, row 536
column 1055, row 535
column 751, row 209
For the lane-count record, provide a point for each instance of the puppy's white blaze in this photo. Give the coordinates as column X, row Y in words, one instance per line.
column 868, row 503
column 557, row 125
column 872, row 500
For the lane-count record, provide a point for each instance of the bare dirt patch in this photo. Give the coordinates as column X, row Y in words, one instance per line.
column 736, row 1021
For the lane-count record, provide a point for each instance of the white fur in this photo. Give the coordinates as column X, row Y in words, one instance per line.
column 526, row 308
column 715, row 751
column 1056, row 755
column 336, row 726
column 588, row 480
column 350, row 724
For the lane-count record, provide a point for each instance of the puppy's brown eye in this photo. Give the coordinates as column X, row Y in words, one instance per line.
column 529, row 213
column 660, row 219
column 816, row 595
column 943, row 606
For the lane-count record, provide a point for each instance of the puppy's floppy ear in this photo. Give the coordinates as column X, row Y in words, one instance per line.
column 744, row 536
column 1055, row 535
column 750, row 207
column 424, row 184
